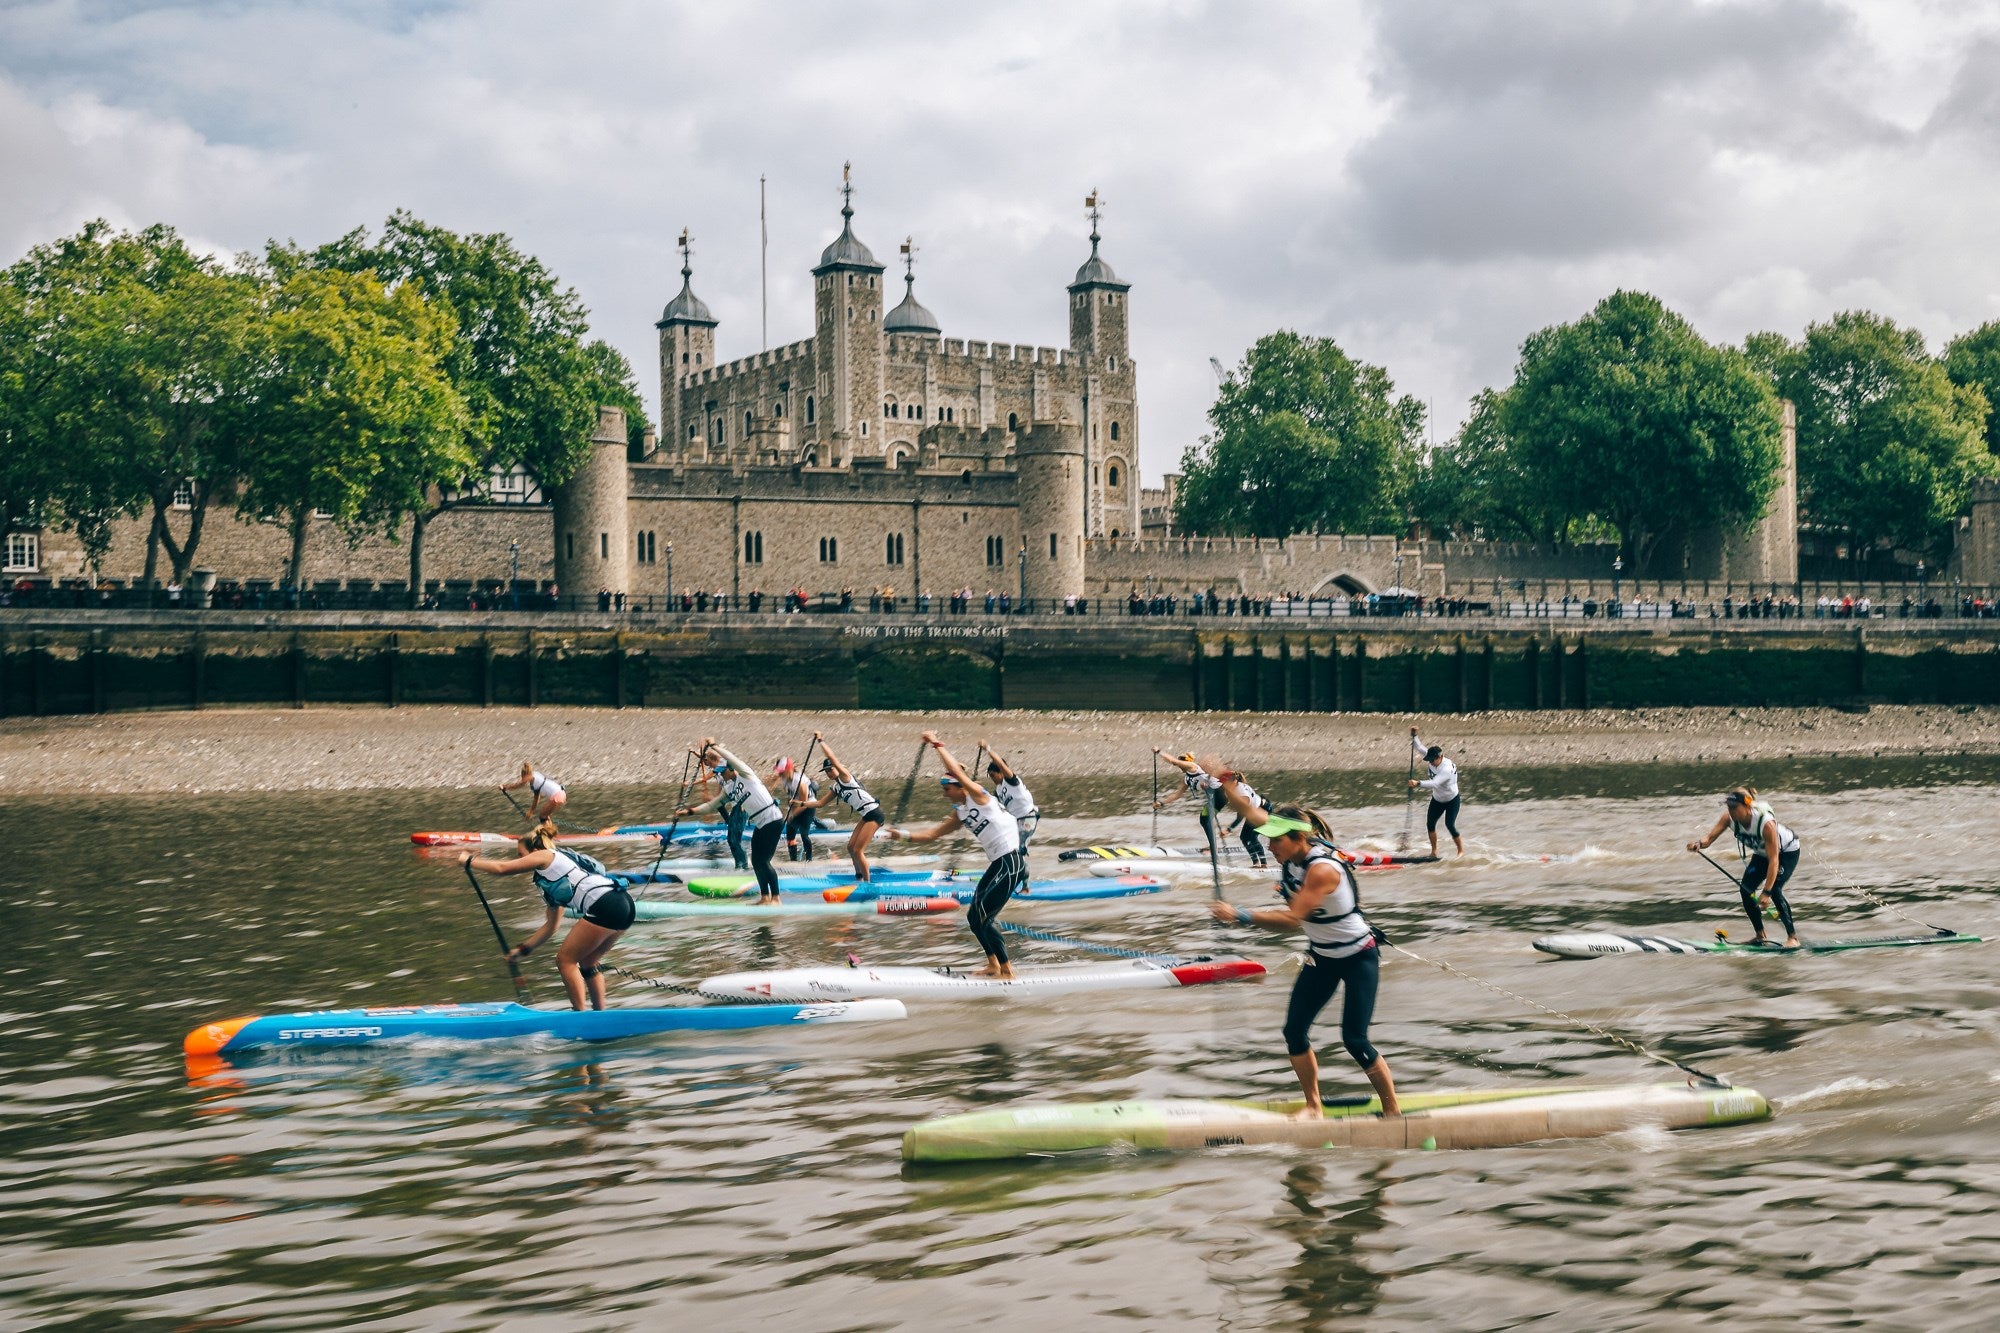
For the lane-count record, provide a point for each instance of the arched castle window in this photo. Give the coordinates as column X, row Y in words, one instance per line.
column 892, row 549
column 1111, row 475
column 1013, row 421
column 1114, row 534
column 778, row 408
column 1111, row 363
column 864, row 430
column 1114, row 430
column 697, row 358
column 753, row 548
column 694, row 432
column 996, row 551
column 746, row 425
column 809, row 409
column 684, row 358
column 889, row 408
column 1052, row 546
column 829, row 550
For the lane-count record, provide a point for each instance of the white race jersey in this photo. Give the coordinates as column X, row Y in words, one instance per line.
column 998, row 833
column 1336, row 928
column 1750, row 837
column 857, row 797
column 542, row 785
column 746, row 792
column 1443, row 780
column 1015, row 798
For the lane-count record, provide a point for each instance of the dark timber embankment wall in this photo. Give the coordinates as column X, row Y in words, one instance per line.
column 106, row 662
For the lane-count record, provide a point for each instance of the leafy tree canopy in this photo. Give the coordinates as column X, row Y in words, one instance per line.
column 1973, row 361
column 1306, row 439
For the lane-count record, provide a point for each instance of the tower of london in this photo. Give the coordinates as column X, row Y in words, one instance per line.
column 878, row 452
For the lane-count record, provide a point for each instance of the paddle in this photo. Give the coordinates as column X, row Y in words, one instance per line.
column 1409, row 798
column 910, row 784
column 805, row 767
column 1214, row 865
column 667, row 838
column 561, row 824
column 506, row 950
column 1771, row 913
column 1156, row 798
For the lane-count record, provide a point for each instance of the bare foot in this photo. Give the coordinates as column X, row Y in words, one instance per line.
column 1311, row 1111
column 1791, row 941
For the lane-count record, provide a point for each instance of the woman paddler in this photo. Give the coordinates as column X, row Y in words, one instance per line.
column 1320, row 897
column 1014, row 796
column 760, row 811
column 1772, row 852
column 801, row 799
column 867, row 810
column 1199, row 780
column 605, row 910
column 1441, row 781
column 980, row 813
column 546, row 795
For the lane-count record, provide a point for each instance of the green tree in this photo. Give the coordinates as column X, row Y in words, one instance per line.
column 1305, row 439
column 1477, row 484
column 1628, row 416
column 1888, row 444
column 1973, row 361
column 517, row 358
column 357, row 417
column 614, row 385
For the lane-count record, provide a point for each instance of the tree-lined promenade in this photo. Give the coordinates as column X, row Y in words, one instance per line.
column 374, row 381
column 1625, row 424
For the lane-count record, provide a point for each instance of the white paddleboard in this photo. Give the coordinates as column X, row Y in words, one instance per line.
column 850, row 983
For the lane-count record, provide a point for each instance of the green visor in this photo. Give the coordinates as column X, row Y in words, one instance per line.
column 1276, row 827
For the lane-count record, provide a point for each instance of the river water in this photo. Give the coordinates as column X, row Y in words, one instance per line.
column 748, row 1178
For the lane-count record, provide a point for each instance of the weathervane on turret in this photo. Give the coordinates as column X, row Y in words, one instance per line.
column 1093, row 212
column 909, row 260
column 687, row 250
column 847, row 189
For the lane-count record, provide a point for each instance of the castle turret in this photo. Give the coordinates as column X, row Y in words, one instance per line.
column 590, row 515
column 1098, row 325
column 1976, row 557
column 1768, row 550
column 847, row 307
column 1048, row 465
column 910, row 316
column 687, row 347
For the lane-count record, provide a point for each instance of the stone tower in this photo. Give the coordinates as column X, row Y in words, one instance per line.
column 1098, row 325
column 847, row 310
column 590, row 514
column 687, row 347
column 1976, row 558
column 1048, row 467
column 1768, row 551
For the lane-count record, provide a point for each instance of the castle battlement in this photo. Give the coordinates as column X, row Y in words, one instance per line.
column 800, row 350
column 973, row 351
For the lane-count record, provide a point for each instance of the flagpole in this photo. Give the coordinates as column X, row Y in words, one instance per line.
column 763, row 264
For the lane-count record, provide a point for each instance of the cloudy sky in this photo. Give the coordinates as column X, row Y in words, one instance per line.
column 1425, row 182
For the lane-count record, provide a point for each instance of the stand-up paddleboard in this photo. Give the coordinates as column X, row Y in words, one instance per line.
column 1183, row 861
column 910, row 983
column 712, row 863
column 1037, row 891
column 1157, row 865
column 742, row 884
column 1497, row 1119
column 1382, row 860
column 686, row 831
column 738, row 908
column 1585, row 944
column 1142, row 854
column 492, row 1022
column 487, row 839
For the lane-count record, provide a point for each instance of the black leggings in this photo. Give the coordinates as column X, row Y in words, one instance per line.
column 996, row 886
column 798, row 834
column 737, row 823
column 1448, row 809
column 1753, row 884
column 1318, row 980
column 763, row 843
column 1253, row 843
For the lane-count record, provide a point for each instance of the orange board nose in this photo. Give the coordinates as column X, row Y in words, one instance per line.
column 839, row 895
column 210, row 1038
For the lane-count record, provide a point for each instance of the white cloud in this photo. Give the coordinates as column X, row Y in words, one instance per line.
column 1427, row 182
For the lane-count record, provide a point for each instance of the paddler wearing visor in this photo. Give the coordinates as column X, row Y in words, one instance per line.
column 1771, row 854
column 980, row 813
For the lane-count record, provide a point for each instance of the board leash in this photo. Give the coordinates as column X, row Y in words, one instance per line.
column 1053, row 938
column 661, row 983
column 1819, row 862
column 1699, row 1076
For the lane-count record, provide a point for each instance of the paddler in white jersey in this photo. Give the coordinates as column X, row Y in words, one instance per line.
column 801, row 799
column 844, row 786
column 1442, row 783
column 1771, row 852
column 760, row 811
column 1199, row 780
column 980, row 813
column 546, row 795
column 1321, row 898
column 1014, row 796
column 605, row 910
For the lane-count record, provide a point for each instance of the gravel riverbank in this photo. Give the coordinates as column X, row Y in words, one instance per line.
column 323, row 749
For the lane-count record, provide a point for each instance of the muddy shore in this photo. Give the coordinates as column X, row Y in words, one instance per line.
column 323, row 749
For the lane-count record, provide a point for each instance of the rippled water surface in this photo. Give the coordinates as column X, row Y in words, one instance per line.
column 745, row 1178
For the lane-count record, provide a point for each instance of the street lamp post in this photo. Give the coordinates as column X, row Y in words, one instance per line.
column 514, row 578
column 1399, row 579
column 1617, row 569
column 1921, row 610
column 670, row 576
column 1023, row 602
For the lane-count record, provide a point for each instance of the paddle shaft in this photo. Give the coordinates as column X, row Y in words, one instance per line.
column 506, row 950
column 910, row 784
column 521, row 811
column 1409, row 802
column 687, row 775
column 1156, row 798
column 1214, row 864
column 804, row 768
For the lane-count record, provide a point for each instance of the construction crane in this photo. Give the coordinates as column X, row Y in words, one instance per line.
column 1221, row 375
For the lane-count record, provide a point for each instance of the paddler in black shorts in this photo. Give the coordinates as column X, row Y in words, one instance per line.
column 1321, row 898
